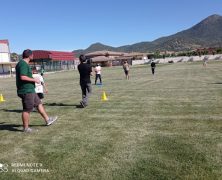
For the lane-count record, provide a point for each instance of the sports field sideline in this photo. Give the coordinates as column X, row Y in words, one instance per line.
column 166, row 127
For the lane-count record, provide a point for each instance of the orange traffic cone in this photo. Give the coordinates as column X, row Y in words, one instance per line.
column 104, row 98
column 1, row 98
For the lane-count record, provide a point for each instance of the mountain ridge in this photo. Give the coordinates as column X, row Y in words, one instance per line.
column 206, row 33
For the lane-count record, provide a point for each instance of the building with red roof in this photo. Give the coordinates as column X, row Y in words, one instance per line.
column 5, row 41
column 54, row 60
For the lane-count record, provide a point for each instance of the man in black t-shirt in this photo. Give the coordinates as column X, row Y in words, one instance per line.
column 153, row 66
column 85, row 71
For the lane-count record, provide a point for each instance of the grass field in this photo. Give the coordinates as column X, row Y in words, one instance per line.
column 166, row 127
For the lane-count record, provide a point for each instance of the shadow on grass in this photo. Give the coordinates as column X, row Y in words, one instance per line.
column 14, row 127
column 63, row 105
column 12, row 110
column 10, row 127
column 17, row 110
column 217, row 83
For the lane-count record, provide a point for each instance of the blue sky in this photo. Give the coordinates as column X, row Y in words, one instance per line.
column 70, row 24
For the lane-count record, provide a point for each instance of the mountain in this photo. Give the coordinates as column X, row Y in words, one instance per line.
column 207, row 33
column 95, row 47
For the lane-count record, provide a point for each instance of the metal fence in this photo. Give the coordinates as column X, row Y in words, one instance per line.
column 49, row 65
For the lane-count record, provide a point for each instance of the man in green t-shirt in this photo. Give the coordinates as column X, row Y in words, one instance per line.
column 26, row 91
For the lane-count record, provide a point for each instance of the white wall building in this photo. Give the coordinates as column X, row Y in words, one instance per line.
column 4, row 51
column 5, row 60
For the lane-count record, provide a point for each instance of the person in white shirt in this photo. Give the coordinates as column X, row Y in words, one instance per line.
column 98, row 73
column 40, row 88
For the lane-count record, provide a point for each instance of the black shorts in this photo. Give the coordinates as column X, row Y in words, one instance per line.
column 126, row 72
column 40, row 95
column 29, row 101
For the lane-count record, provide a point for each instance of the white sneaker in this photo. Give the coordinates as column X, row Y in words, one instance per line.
column 51, row 120
column 30, row 130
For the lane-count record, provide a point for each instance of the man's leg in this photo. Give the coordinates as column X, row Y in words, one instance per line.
column 96, row 79
column 100, row 79
column 39, row 106
column 88, row 92
column 84, row 94
column 43, row 113
column 48, row 120
column 25, row 119
column 41, row 109
column 27, row 105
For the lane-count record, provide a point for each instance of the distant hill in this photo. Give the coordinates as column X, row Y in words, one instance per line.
column 95, row 47
column 207, row 33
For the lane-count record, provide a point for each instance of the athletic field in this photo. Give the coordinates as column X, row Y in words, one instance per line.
column 163, row 127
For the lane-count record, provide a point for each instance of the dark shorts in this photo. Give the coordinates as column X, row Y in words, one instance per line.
column 40, row 95
column 126, row 72
column 29, row 101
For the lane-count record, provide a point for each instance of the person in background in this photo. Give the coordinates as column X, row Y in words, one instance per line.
column 126, row 69
column 98, row 73
column 205, row 62
column 85, row 71
column 42, row 70
column 25, row 84
column 40, row 88
column 153, row 66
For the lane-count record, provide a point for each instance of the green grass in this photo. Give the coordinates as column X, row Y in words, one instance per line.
column 166, row 127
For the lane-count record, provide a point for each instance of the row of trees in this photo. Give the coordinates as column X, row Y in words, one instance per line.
column 199, row 52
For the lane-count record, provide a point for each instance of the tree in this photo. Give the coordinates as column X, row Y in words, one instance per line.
column 14, row 57
column 157, row 54
column 219, row 51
